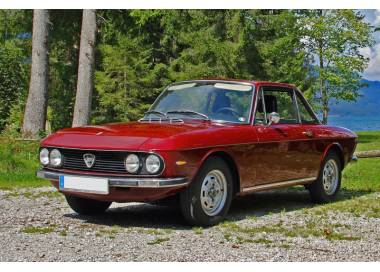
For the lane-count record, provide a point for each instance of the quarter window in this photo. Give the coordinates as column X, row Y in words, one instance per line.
column 306, row 115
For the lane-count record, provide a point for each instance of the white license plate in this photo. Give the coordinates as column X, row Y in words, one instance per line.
column 83, row 184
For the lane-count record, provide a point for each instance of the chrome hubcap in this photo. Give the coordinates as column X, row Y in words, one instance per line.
column 213, row 192
column 330, row 177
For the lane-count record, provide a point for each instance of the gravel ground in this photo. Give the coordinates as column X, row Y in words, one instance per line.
column 37, row 225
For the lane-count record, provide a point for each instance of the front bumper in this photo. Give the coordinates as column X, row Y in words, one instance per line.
column 134, row 182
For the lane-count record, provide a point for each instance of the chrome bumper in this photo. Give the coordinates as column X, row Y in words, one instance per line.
column 123, row 182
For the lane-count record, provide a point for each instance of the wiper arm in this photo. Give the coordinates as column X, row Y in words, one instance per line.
column 156, row 113
column 189, row 112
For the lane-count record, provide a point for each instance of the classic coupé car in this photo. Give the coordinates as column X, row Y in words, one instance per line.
column 205, row 141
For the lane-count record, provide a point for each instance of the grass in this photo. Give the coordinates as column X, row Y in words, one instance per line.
column 110, row 232
column 366, row 205
column 368, row 140
column 318, row 226
column 362, row 176
column 34, row 195
column 37, row 230
column 158, row 240
column 18, row 164
column 198, row 230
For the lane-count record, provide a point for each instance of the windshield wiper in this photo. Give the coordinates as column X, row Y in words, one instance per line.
column 156, row 113
column 189, row 112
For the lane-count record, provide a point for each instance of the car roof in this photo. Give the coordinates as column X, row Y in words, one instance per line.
column 254, row 82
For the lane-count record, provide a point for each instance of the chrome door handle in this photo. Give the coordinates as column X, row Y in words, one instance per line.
column 308, row 133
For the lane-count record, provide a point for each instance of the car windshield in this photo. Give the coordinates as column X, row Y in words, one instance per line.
column 218, row 101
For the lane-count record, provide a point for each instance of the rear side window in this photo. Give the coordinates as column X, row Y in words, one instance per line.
column 306, row 115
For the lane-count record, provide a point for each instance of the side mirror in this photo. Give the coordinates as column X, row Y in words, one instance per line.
column 273, row 118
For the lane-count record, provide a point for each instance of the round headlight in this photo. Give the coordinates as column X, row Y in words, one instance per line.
column 55, row 158
column 132, row 163
column 44, row 156
column 152, row 164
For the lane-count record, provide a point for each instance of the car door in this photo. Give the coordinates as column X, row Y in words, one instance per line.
column 279, row 152
column 310, row 146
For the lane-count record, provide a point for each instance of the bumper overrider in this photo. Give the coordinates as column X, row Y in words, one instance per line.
column 124, row 182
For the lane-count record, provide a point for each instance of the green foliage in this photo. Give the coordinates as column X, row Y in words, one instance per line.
column 14, row 66
column 138, row 52
column 63, row 66
column 333, row 39
column 13, row 74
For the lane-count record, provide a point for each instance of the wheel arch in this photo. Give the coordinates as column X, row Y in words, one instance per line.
column 338, row 149
column 231, row 164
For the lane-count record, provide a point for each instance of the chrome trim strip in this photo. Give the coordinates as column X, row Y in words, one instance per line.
column 297, row 106
column 124, row 182
column 278, row 184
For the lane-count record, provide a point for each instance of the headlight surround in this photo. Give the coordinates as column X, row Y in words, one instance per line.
column 55, row 158
column 44, row 156
column 132, row 163
column 152, row 164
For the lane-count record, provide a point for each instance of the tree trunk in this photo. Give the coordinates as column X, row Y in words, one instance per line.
column 85, row 83
column 36, row 105
column 324, row 96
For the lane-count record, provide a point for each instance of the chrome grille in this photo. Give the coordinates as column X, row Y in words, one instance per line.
column 105, row 161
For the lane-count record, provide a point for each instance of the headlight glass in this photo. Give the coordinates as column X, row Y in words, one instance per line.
column 44, row 156
column 55, row 158
column 152, row 164
column 132, row 163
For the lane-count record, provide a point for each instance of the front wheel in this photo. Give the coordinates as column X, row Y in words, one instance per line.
column 209, row 196
column 326, row 187
column 86, row 206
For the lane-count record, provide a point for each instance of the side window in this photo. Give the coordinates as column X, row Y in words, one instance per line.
column 306, row 115
column 281, row 100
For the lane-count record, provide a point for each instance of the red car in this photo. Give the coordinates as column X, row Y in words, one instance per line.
column 205, row 142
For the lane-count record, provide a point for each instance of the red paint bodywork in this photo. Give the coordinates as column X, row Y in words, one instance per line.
column 261, row 155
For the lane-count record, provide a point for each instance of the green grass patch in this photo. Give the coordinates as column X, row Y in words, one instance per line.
column 315, row 227
column 367, row 206
column 18, row 164
column 34, row 195
column 110, row 232
column 162, row 231
column 158, row 240
column 368, row 140
column 37, row 230
column 363, row 175
column 63, row 233
column 198, row 230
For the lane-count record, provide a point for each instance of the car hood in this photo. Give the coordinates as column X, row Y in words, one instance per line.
column 137, row 136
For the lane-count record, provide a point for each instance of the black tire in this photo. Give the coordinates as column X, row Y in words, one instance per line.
column 86, row 206
column 318, row 192
column 190, row 199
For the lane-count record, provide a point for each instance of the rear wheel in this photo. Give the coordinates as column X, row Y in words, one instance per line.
column 87, row 206
column 209, row 196
column 326, row 187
